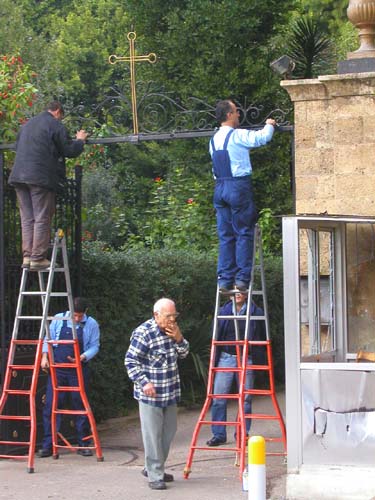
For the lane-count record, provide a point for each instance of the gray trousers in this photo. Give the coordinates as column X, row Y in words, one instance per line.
column 159, row 425
column 37, row 206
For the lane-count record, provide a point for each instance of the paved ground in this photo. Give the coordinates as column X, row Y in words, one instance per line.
column 213, row 474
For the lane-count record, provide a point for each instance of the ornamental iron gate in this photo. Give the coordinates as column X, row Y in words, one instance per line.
column 161, row 117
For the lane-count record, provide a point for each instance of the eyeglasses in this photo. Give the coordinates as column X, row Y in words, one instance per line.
column 170, row 315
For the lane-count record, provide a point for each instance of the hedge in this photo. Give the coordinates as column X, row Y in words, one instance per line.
column 122, row 288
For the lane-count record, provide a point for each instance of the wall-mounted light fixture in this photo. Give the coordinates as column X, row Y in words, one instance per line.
column 284, row 66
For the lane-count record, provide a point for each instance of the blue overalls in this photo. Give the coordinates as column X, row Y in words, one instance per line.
column 66, row 377
column 236, row 217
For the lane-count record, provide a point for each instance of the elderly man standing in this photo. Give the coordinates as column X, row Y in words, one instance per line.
column 151, row 362
column 233, row 198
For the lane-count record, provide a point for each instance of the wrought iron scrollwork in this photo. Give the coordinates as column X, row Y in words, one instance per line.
column 162, row 112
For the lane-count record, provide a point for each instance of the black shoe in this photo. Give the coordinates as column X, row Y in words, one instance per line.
column 215, row 441
column 157, row 485
column 45, row 452
column 225, row 287
column 168, row 478
column 85, row 452
column 242, row 286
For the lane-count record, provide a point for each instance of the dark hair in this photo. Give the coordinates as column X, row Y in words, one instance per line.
column 222, row 109
column 55, row 106
column 80, row 305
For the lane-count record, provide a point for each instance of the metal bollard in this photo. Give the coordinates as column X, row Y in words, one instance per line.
column 257, row 468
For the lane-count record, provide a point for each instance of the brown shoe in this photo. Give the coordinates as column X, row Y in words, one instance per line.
column 26, row 263
column 38, row 265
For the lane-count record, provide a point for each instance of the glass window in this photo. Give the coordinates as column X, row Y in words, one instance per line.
column 360, row 275
column 317, row 287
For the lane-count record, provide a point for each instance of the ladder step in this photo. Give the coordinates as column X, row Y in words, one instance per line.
column 17, row 392
column 67, row 389
column 49, row 269
column 241, row 318
column 70, row 412
column 25, row 342
column 15, row 417
column 226, row 370
column 17, row 443
column 261, row 416
column 257, row 367
column 49, row 318
column 258, row 392
column 22, row 367
column 216, row 422
column 216, row 448
column 52, row 294
column 64, row 365
column 224, row 396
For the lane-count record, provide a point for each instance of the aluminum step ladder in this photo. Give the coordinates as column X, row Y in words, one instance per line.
column 243, row 349
column 46, row 291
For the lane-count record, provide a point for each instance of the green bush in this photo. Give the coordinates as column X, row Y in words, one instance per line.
column 122, row 287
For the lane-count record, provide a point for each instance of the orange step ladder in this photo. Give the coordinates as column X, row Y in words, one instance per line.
column 45, row 292
column 243, row 349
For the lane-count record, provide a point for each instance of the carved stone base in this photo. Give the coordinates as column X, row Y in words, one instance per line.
column 360, row 65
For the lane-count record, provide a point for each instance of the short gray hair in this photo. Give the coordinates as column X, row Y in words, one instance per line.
column 161, row 303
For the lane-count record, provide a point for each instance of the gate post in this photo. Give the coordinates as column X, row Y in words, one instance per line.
column 2, row 272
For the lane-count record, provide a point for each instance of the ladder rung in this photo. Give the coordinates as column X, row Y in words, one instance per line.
column 231, row 316
column 64, row 365
column 22, row 367
column 226, row 370
column 17, row 392
column 49, row 269
column 216, row 448
column 71, row 412
column 274, row 440
column 258, row 392
column 52, row 294
column 49, row 318
column 217, row 422
column 257, row 367
column 224, row 396
column 18, row 443
column 262, row 416
column 66, row 342
column 25, row 342
column 67, row 389
column 15, row 417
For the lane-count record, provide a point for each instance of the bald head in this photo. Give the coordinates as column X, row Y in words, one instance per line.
column 165, row 313
column 161, row 304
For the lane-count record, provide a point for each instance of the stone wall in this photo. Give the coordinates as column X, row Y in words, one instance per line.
column 334, row 144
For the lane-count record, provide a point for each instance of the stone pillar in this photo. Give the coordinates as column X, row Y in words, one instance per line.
column 334, row 144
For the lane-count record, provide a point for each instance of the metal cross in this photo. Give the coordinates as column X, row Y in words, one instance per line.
column 133, row 58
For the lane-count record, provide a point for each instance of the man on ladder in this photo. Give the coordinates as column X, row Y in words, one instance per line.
column 233, row 197
column 88, row 335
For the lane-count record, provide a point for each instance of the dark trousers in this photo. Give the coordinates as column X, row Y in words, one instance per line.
column 37, row 206
column 65, row 377
column 236, row 218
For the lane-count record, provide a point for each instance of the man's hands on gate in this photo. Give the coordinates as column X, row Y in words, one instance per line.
column 271, row 121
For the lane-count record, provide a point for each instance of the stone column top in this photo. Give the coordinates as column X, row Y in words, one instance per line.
column 329, row 86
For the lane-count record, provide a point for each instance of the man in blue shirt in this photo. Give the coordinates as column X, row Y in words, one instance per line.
column 88, row 335
column 233, row 197
column 151, row 362
column 226, row 357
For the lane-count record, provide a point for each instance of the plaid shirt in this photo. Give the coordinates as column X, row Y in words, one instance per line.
column 152, row 357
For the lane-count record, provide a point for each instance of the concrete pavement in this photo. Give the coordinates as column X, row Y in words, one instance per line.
column 213, row 474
